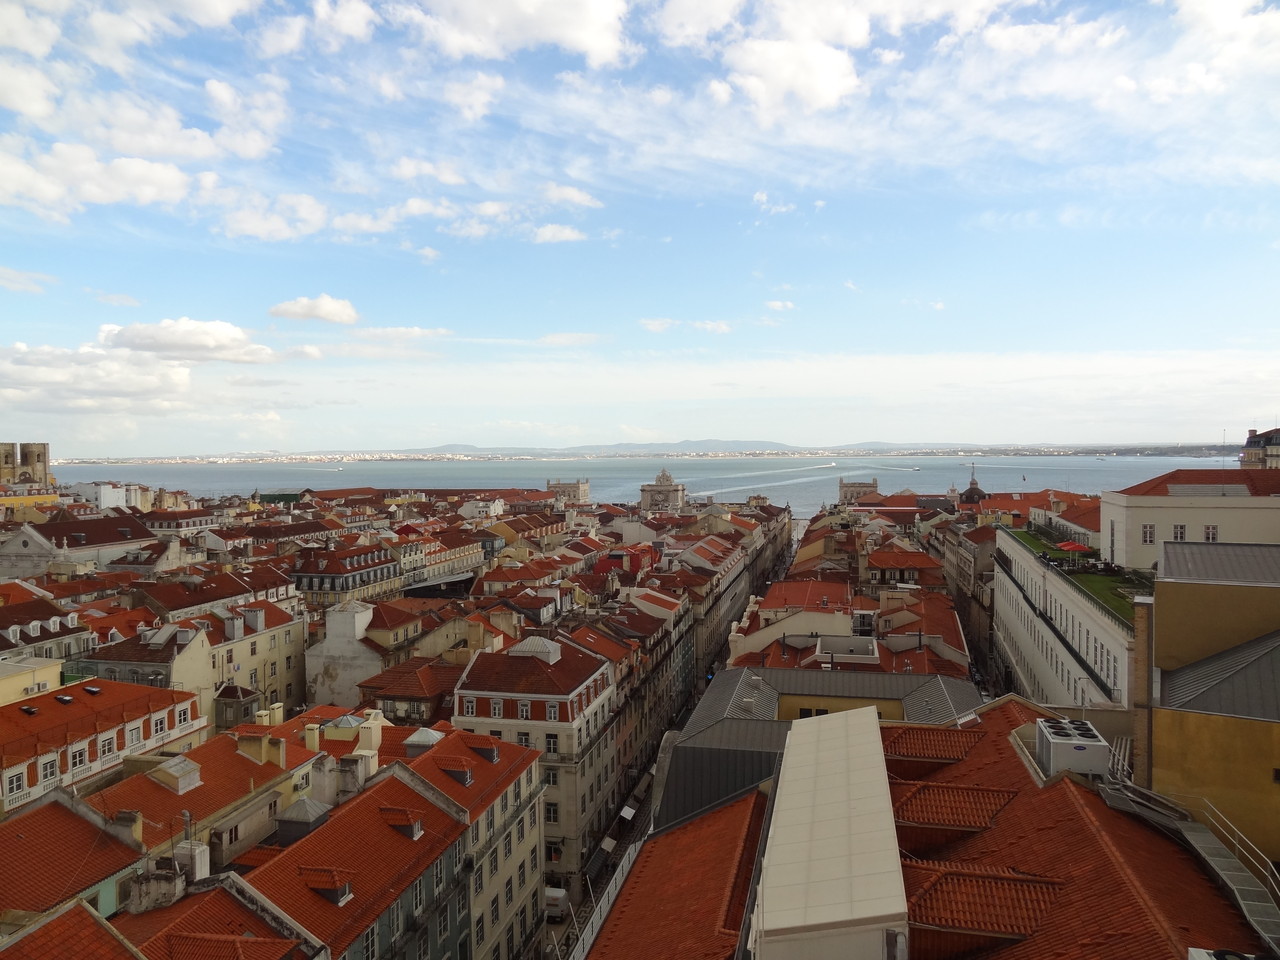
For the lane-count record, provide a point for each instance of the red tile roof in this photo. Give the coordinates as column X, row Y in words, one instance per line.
column 700, row 905
column 213, row 924
column 377, row 860
column 75, row 932
column 488, row 778
column 1259, row 483
column 502, row 673
column 226, row 775
column 51, row 853
column 56, row 724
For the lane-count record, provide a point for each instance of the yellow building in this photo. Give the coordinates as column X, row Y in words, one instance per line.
column 24, row 674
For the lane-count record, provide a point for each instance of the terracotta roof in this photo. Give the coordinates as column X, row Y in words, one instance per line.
column 700, row 905
column 1258, row 483
column 75, row 931
column 502, row 673
column 51, row 853
column 489, row 778
column 357, row 846
column 24, row 736
column 226, row 775
column 418, row 678
column 212, row 924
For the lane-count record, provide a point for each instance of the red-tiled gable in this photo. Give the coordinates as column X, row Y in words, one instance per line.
column 953, row 897
column 1087, row 516
column 807, row 595
column 983, row 534
column 501, row 673
column 947, row 804
column 489, row 778
column 700, row 904
column 375, row 858
column 16, row 591
column 929, row 742
column 203, row 925
column 891, row 559
column 75, row 931
column 1125, row 890
column 612, row 648
column 226, row 776
column 24, row 736
column 418, row 678
column 389, row 617
column 927, row 612
column 1259, row 483
column 102, row 532
column 52, row 853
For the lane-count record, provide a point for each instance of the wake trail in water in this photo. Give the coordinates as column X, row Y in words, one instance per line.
column 757, row 473
column 753, row 486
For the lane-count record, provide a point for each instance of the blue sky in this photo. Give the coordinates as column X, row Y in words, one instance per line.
column 245, row 224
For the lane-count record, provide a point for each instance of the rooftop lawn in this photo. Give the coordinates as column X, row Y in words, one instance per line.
column 1102, row 587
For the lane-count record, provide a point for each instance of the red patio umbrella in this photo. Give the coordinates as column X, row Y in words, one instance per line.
column 1073, row 546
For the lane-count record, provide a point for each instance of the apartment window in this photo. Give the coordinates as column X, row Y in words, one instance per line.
column 522, row 738
column 14, row 783
column 1179, row 532
column 288, row 662
column 553, row 812
column 533, row 817
column 288, row 690
column 133, row 736
column 479, row 881
column 528, row 777
column 533, row 861
column 519, row 830
column 1210, row 533
column 271, row 669
column 515, row 792
column 468, row 706
column 231, row 655
column 522, row 710
column 48, row 769
column 475, row 832
column 553, row 778
column 493, row 910
column 233, row 834
column 253, row 679
column 553, row 743
column 504, row 803
column 508, row 892
column 397, row 920
column 553, row 712
column 488, row 821
column 511, row 941
column 495, row 708
column 184, row 715
column 493, row 860
column 442, row 923
column 253, row 648
column 506, row 846
column 460, row 904
column 369, row 943
column 438, row 873
column 520, row 874
column 79, row 758
column 1148, row 533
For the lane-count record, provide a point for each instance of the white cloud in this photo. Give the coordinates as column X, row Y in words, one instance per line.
column 428, row 254
column 850, row 285
column 289, row 216
column 557, row 233
column 126, row 122
column 324, row 307
column 25, row 89
column 568, row 339
column 559, row 193
column 280, row 36
column 659, row 324
column 888, row 57
column 118, row 300
column 711, row 326
column 186, row 339
column 497, row 28
column 249, row 122
column 761, row 200
column 27, row 31
column 779, row 304
column 402, row 333
column 68, row 176
column 409, row 168
column 24, row 281
column 474, row 97
column 690, row 23
column 337, row 21
column 937, row 304
column 773, row 73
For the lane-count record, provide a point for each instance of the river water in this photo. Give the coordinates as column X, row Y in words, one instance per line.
column 806, row 483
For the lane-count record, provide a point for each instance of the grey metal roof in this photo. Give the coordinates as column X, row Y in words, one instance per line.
column 737, row 692
column 699, row 778
column 1243, row 681
column 940, row 700
column 1222, row 562
column 1208, row 490
column 304, row 810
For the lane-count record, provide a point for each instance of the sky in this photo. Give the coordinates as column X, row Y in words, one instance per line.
column 246, row 225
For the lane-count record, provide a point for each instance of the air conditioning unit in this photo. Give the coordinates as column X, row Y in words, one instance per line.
column 1073, row 745
column 35, row 688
